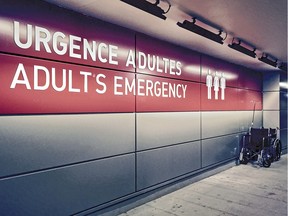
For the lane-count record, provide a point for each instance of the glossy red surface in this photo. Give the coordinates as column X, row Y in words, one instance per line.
column 132, row 71
column 187, row 98
column 234, row 100
column 189, row 61
column 74, row 92
column 63, row 28
column 236, row 76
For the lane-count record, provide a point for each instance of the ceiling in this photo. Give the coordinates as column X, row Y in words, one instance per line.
column 259, row 23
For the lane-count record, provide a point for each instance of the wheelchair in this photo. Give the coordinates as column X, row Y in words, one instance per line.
column 261, row 145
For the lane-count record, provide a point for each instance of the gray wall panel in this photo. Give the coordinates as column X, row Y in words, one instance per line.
column 158, row 165
column 271, row 119
column 283, row 137
column 258, row 119
column 271, row 82
column 220, row 123
column 160, row 129
column 218, row 149
column 35, row 142
column 283, row 101
column 283, row 119
column 68, row 190
column 246, row 118
column 271, row 101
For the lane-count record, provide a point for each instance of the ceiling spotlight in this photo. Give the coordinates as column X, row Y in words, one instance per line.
column 283, row 66
column 242, row 49
column 148, row 7
column 191, row 26
column 267, row 59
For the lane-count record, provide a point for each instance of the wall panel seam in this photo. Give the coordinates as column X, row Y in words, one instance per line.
column 50, row 169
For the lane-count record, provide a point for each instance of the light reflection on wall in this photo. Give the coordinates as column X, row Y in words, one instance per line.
column 227, row 74
column 230, row 76
column 283, row 85
column 6, row 27
column 192, row 69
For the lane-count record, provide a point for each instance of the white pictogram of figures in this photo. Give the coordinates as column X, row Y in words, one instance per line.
column 217, row 82
column 222, row 86
column 216, row 85
column 209, row 83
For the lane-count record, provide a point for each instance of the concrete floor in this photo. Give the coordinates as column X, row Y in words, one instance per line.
column 241, row 190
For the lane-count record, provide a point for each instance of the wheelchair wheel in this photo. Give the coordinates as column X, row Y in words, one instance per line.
column 278, row 148
column 266, row 162
column 244, row 156
column 244, row 160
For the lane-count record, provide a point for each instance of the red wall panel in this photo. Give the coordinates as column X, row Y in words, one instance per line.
column 189, row 61
column 183, row 100
column 250, row 80
column 248, row 99
column 93, row 92
column 235, row 99
column 158, row 65
column 236, row 76
column 63, row 28
column 230, row 101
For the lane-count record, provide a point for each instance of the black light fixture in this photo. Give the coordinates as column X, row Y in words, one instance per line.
column 242, row 49
column 283, row 66
column 148, row 7
column 268, row 60
column 191, row 26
